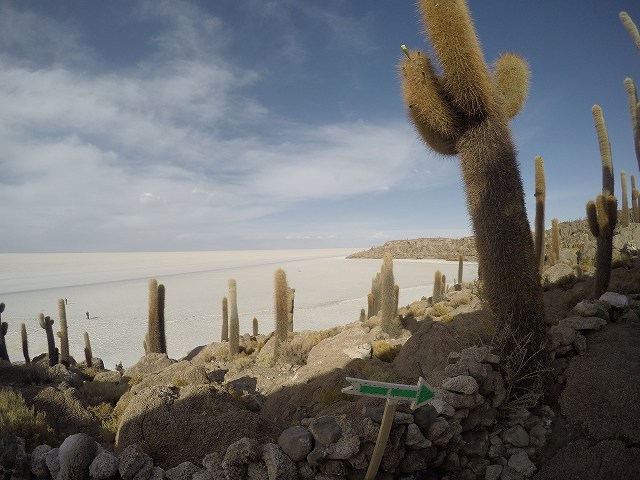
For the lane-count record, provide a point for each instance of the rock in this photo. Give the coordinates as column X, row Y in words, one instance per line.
column 104, row 466
column 108, row 376
column 452, row 462
column 296, row 442
column 556, row 274
column 459, row 400
column 59, row 373
column 454, row 429
column 347, row 445
column 150, row 363
column 414, row 437
column 580, row 344
column 630, row 316
column 362, row 351
column 185, row 424
column 461, row 384
column 441, row 407
column 242, row 452
column 325, row 430
column 414, row 461
column 376, row 413
column 538, row 436
column 256, row 471
column 516, row 436
column 75, row 455
column 616, row 300
column 333, row 467
column 437, row 428
column 52, row 461
column 184, row 471
column 583, row 323
column 134, row 463
column 212, row 462
column 14, row 461
column 425, row 415
column 592, row 308
column 157, row 473
column 206, row 475
column 521, row 463
column 38, row 461
column 476, row 443
column 510, row 473
column 493, row 472
column 394, row 451
column 561, row 335
column 483, row 415
column 500, row 393
column 279, row 466
column 476, row 353
column 337, row 351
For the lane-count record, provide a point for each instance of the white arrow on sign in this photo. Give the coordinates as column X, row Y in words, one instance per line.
column 417, row 394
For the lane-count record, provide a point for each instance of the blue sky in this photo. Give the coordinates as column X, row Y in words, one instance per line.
column 201, row 125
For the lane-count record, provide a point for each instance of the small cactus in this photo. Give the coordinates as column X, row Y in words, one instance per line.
column 25, row 343
column 602, row 218
column 281, row 309
column 47, row 324
column 255, row 327
column 234, row 320
column 63, row 333
column 437, row 287
column 555, row 241
column 88, row 354
column 540, row 194
column 224, row 337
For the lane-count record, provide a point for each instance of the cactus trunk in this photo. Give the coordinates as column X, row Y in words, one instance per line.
column 47, row 324
column 281, row 309
column 234, row 320
column 540, row 195
column 224, row 336
column 25, row 343
column 88, row 354
column 63, row 333
column 388, row 307
column 624, row 221
column 255, row 327
column 154, row 335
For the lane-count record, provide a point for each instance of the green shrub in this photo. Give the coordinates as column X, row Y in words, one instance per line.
column 108, row 420
column 439, row 309
column 385, row 351
column 23, row 421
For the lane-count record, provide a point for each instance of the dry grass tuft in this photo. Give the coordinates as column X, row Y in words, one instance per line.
column 385, row 351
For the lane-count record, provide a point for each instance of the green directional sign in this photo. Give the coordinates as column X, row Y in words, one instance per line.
column 417, row 394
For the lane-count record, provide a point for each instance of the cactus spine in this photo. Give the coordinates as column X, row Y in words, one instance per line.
column 437, row 287
column 63, row 333
column 255, row 327
column 47, row 324
column 624, row 221
column 4, row 326
column 634, row 108
column 555, row 241
column 224, row 337
column 25, row 343
column 281, row 291
column 234, row 320
column 602, row 217
column 88, row 354
column 465, row 111
column 388, row 298
column 540, row 194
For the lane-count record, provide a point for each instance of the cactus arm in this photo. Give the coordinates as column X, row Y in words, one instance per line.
column 25, row 343
column 512, row 75
column 632, row 97
column 466, row 78
column 624, row 221
column 631, row 28
column 592, row 218
column 605, row 151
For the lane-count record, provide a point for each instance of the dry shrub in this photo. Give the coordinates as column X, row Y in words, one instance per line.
column 439, row 309
column 371, row 371
column 16, row 418
column 105, row 413
column 385, row 351
column 446, row 318
column 331, row 396
column 105, row 392
column 459, row 300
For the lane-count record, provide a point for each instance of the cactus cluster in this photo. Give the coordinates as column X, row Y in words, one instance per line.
column 465, row 111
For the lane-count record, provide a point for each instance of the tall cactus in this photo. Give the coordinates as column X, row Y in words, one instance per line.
column 47, row 324
column 25, row 343
column 255, row 326
column 370, row 305
column 224, row 336
column 375, row 290
column 602, row 217
column 234, row 320
column 555, row 241
column 465, row 111
column 88, row 354
column 634, row 109
column 281, row 309
column 4, row 326
column 63, row 333
column 624, row 221
column 540, row 195
column 460, row 267
column 388, row 299
column 635, row 208
column 155, row 339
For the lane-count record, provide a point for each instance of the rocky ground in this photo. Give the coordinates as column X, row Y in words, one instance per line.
column 209, row 417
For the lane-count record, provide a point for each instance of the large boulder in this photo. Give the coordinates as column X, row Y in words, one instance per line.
column 75, row 456
column 150, row 363
column 179, row 425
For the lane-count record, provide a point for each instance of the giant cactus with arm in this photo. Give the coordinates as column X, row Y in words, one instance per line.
column 465, row 111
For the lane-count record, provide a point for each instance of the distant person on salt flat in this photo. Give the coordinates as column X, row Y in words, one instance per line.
column 88, row 316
